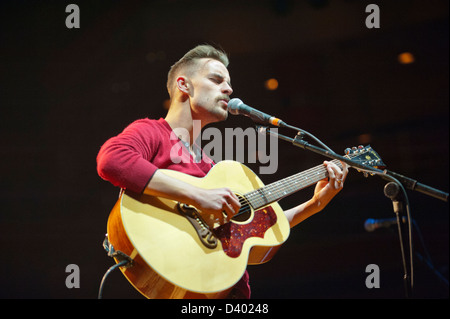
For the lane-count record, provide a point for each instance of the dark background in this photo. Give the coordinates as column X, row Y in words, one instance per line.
column 65, row 91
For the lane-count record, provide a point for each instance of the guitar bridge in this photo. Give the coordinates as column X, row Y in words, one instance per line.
column 204, row 233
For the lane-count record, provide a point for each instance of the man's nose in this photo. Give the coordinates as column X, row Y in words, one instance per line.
column 227, row 89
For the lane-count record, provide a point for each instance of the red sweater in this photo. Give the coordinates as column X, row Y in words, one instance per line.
column 130, row 159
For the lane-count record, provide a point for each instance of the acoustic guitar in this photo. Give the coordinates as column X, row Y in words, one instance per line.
column 175, row 255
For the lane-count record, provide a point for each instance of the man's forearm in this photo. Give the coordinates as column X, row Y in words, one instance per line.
column 301, row 212
column 165, row 186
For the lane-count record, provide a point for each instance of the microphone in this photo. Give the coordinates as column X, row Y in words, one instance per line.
column 237, row 107
column 371, row 224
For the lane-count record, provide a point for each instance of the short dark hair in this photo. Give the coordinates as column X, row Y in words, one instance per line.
column 191, row 57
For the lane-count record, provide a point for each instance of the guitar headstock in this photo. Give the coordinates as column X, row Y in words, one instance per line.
column 365, row 155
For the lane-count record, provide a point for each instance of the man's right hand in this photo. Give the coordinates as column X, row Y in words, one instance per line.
column 217, row 205
column 211, row 203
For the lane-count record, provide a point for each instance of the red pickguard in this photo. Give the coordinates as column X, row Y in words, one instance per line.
column 232, row 235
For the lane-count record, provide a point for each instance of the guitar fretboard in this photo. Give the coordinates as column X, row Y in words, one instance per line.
column 287, row 186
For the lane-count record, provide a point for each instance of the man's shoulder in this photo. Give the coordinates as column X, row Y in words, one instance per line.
column 148, row 124
column 145, row 121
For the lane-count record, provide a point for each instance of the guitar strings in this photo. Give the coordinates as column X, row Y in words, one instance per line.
column 289, row 181
column 256, row 196
column 245, row 206
column 312, row 172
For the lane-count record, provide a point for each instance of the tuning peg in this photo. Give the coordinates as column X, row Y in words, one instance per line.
column 361, row 147
column 348, row 151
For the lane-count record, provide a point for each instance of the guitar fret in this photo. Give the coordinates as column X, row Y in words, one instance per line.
column 285, row 187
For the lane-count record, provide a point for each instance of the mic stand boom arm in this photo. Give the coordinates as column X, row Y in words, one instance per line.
column 299, row 142
column 415, row 186
column 385, row 174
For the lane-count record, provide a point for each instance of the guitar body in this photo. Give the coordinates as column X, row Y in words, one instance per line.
column 169, row 259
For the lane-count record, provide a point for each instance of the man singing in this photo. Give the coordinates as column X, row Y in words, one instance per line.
column 199, row 86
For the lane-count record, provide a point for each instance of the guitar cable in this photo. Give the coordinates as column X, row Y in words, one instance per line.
column 110, row 270
column 123, row 261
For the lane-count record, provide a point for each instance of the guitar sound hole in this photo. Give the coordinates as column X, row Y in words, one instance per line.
column 245, row 212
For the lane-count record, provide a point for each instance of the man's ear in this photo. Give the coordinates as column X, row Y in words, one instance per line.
column 182, row 84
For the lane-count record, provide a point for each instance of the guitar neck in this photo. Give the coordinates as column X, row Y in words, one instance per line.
column 277, row 190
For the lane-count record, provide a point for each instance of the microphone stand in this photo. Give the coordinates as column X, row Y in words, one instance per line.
column 392, row 191
column 396, row 182
column 300, row 142
column 326, row 151
column 412, row 184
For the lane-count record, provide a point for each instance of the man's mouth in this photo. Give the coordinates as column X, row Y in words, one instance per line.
column 224, row 101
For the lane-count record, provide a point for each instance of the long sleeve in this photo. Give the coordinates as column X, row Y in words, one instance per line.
column 124, row 160
column 130, row 159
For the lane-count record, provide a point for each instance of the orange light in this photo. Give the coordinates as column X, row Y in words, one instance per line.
column 365, row 138
column 271, row 84
column 166, row 104
column 405, row 58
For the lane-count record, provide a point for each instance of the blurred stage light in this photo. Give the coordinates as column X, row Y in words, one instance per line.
column 405, row 58
column 364, row 139
column 271, row 84
column 166, row 104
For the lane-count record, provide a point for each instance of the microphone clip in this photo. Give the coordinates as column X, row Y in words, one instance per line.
column 298, row 139
column 392, row 191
